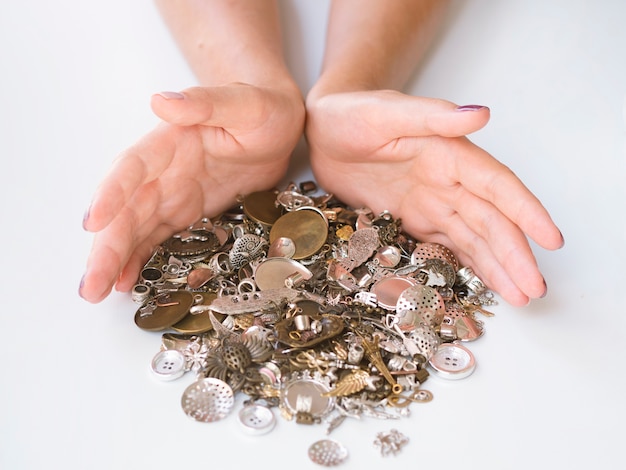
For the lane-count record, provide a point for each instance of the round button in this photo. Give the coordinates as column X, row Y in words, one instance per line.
column 452, row 361
column 168, row 365
column 256, row 419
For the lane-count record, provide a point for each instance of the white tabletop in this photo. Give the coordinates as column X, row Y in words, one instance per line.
column 549, row 387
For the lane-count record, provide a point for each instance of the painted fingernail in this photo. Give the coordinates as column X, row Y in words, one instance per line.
column 172, row 95
column 86, row 218
column 471, row 107
column 80, row 287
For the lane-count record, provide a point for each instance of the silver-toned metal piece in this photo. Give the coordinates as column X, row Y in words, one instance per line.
column 293, row 200
column 150, row 276
column 328, row 453
column 249, row 302
column 388, row 256
column 361, row 246
column 452, row 361
column 425, row 251
column 282, row 247
column 389, row 290
column 465, row 276
column 245, row 249
column 168, row 364
column 256, row 419
column 439, row 273
column 306, row 395
column 274, row 273
column 419, row 304
column 208, row 400
column 390, row 442
column 140, row 293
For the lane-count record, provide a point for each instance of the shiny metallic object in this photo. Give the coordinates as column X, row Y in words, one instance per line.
column 328, row 453
column 207, row 400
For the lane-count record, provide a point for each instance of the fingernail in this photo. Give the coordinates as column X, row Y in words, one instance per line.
column 172, row 95
column 86, row 218
column 471, row 107
column 80, row 287
column 545, row 289
column 562, row 239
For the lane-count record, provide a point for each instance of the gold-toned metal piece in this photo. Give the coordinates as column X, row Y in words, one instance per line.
column 353, row 382
column 199, row 322
column 372, row 351
column 261, row 207
column 306, row 228
column 166, row 315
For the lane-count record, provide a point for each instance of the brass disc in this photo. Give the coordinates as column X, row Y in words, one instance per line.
column 196, row 323
column 174, row 309
column 261, row 207
column 306, row 228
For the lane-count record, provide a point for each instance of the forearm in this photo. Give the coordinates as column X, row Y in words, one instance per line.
column 227, row 41
column 373, row 44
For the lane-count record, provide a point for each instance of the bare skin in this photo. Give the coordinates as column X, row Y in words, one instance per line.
column 370, row 144
column 373, row 146
column 216, row 142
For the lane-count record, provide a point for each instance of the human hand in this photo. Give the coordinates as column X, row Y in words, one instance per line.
column 214, row 144
column 388, row 151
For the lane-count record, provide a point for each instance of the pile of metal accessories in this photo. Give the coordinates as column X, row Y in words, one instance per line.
column 310, row 307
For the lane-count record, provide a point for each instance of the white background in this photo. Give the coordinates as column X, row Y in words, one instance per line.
column 549, row 388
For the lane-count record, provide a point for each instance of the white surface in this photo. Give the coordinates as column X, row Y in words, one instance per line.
column 549, row 387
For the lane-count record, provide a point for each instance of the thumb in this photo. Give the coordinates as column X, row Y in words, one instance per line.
column 420, row 117
column 210, row 106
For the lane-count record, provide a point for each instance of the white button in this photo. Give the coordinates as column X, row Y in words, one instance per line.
column 256, row 419
column 168, row 364
column 452, row 361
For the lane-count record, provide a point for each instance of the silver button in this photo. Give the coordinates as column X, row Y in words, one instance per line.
column 168, row 364
column 452, row 361
column 256, row 419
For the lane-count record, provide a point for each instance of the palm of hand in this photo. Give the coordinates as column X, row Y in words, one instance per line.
column 445, row 189
column 175, row 175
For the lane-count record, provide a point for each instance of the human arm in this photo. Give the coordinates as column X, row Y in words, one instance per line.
column 371, row 145
column 232, row 135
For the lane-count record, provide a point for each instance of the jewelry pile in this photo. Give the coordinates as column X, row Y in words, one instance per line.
column 310, row 307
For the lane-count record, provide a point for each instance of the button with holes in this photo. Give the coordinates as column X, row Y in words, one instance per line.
column 256, row 419
column 168, row 365
column 452, row 361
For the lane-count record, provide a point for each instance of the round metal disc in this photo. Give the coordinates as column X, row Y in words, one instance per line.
column 420, row 304
column 195, row 323
column 271, row 273
column 306, row 395
column 208, row 400
column 175, row 306
column 389, row 289
column 261, row 207
column 424, row 251
column 306, row 228
column 327, row 452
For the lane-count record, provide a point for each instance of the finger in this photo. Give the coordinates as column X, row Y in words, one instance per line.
column 140, row 164
column 416, row 116
column 487, row 178
column 506, row 241
column 113, row 245
column 213, row 106
column 473, row 251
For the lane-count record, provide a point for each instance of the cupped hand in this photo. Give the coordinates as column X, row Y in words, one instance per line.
column 409, row 155
column 213, row 145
